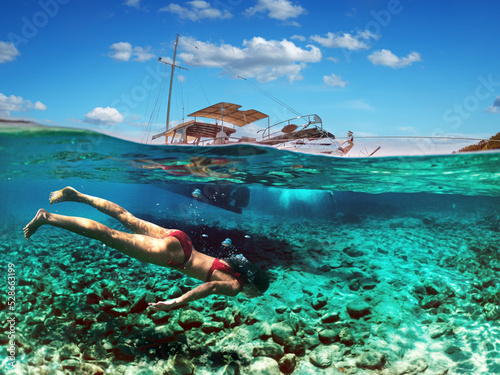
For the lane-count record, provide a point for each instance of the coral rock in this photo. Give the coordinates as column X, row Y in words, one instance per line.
column 346, row 338
column 189, row 319
column 264, row 366
column 270, row 350
column 321, row 357
column 331, row 317
column 328, row 336
column 358, row 309
column 180, row 365
column 318, row 303
column 295, row 345
column 69, row 351
column 280, row 332
column 212, row 327
column 288, row 363
column 372, row 360
column 124, row 352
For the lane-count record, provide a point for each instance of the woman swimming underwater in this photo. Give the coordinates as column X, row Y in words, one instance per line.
column 151, row 243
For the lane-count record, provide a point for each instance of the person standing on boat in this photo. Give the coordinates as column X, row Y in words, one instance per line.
column 153, row 244
column 350, row 143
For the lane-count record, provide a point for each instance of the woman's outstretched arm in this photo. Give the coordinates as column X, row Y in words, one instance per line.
column 226, row 288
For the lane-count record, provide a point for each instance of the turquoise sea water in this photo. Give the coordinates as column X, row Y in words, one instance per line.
column 413, row 240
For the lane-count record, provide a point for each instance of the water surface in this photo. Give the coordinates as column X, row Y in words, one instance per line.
column 413, row 240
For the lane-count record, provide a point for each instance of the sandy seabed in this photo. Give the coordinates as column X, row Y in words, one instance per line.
column 354, row 295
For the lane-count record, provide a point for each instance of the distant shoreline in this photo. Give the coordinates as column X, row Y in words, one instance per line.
column 12, row 120
column 5, row 121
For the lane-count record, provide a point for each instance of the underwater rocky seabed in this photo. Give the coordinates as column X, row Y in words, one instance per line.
column 356, row 294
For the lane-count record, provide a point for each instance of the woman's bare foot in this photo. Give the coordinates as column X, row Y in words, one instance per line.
column 40, row 218
column 67, row 194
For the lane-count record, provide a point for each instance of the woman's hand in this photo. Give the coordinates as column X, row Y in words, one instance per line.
column 225, row 288
column 163, row 305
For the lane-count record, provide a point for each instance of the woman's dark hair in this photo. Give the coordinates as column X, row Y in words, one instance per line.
column 253, row 276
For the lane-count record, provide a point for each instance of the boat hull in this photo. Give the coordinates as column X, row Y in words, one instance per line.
column 324, row 146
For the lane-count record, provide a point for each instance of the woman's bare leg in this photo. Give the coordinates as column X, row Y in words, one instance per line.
column 141, row 247
column 137, row 226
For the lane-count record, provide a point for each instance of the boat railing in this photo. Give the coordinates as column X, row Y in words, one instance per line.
column 291, row 125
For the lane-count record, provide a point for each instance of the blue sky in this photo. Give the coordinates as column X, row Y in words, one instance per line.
column 375, row 67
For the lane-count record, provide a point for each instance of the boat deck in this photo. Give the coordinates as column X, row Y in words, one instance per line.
column 312, row 133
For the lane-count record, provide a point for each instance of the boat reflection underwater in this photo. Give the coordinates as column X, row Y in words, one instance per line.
column 225, row 195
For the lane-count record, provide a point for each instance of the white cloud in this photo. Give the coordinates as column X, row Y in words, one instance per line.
column 11, row 104
column 346, row 40
column 104, row 116
column 196, row 10
column 249, row 130
column 124, row 51
column 281, row 10
column 133, row 3
column 143, row 54
column 263, row 59
column 121, row 51
column 8, row 52
column 298, row 37
column 334, row 81
column 495, row 107
column 14, row 103
column 387, row 58
column 39, row 106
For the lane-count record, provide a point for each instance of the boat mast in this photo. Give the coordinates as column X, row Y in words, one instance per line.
column 170, row 89
column 171, row 81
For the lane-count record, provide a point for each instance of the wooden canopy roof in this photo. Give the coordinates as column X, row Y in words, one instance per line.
column 197, row 129
column 228, row 112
